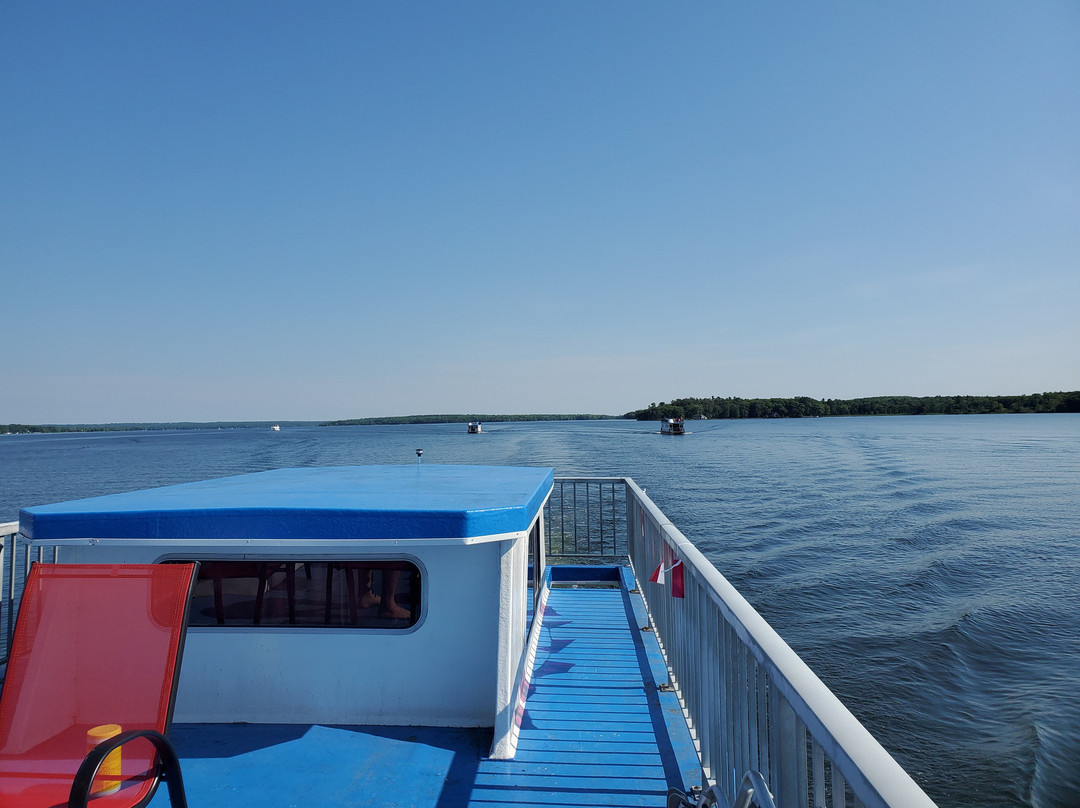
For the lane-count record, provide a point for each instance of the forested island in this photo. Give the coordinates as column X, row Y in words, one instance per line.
column 805, row 407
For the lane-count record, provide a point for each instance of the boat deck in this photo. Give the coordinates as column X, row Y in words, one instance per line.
column 596, row 731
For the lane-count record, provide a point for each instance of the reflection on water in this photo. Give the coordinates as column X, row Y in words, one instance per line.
column 925, row 567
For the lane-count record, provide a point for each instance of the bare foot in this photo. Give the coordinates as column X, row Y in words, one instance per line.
column 394, row 612
column 369, row 599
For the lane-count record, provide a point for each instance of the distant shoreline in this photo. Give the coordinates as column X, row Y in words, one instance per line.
column 462, row 419
column 24, row 429
column 690, row 408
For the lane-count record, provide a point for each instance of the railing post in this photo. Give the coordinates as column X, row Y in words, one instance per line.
column 786, row 790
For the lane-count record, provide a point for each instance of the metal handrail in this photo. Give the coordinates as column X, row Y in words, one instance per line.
column 8, row 532
column 585, row 517
column 754, row 792
column 15, row 560
column 752, row 703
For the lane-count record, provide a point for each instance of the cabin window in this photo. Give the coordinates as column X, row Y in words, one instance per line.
column 363, row 593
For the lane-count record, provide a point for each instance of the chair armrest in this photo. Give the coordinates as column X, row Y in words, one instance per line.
column 168, row 767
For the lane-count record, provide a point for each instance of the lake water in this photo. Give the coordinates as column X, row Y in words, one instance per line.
column 927, row 568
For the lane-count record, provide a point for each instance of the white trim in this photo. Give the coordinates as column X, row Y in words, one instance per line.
column 342, row 543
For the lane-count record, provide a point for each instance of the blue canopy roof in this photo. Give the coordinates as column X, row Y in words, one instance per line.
column 340, row 502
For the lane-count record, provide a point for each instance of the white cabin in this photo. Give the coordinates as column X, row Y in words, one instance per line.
column 393, row 595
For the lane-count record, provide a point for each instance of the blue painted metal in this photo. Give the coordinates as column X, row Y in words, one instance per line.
column 596, row 731
column 597, row 573
column 342, row 502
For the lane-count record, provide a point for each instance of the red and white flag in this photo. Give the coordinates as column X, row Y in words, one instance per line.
column 659, row 576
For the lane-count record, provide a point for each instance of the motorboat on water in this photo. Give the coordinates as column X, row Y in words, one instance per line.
column 474, row 428
column 433, row 635
column 672, row 426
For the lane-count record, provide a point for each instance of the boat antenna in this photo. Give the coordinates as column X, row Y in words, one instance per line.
column 418, row 453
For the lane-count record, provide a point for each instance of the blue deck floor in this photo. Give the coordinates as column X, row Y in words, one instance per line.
column 596, row 732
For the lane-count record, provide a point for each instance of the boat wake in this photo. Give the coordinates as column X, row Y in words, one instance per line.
column 1055, row 778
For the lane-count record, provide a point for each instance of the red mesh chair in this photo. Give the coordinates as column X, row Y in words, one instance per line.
column 95, row 646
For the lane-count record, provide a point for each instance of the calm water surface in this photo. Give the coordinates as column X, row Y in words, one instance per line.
column 927, row 568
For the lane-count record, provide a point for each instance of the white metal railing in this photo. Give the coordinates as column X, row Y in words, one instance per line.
column 15, row 559
column 8, row 532
column 752, row 704
column 586, row 517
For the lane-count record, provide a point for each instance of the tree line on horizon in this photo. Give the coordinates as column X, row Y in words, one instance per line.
column 715, row 407
column 451, row 419
column 32, row 429
column 805, row 407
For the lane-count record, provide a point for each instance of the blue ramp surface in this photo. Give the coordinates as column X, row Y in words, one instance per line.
column 593, row 731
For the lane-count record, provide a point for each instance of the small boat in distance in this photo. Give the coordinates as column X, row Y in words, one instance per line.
column 474, row 428
column 276, row 428
column 672, row 426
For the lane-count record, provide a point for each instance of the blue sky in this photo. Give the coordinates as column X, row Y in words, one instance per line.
column 283, row 210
